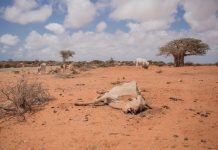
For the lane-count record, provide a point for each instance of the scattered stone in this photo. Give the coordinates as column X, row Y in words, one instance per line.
column 43, row 123
column 180, row 80
column 195, row 100
column 101, row 92
column 113, row 133
column 175, row 99
column 52, row 107
column 86, row 118
column 80, row 84
column 116, row 82
column 186, row 139
column 55, row 111
column 143, row 90
column 165, row 107
column 23, row 141
column 66, row 109
column 203, row 114
column 168, row 82
column 175, row 136
column 203, row 141
column 190, row 109
column 159, row 71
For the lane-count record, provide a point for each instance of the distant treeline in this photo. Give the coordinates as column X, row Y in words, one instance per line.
column 99, row 63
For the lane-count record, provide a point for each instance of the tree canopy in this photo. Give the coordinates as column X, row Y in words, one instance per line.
column 65, row 54
column 183, row 47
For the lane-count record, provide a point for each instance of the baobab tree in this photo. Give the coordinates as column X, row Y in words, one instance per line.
column 183, row 47
column 66, row 54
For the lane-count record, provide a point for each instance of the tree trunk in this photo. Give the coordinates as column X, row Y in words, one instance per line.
column 181, row 62
column 176, row 61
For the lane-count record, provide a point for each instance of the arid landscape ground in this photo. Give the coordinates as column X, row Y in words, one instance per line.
column 184, row 114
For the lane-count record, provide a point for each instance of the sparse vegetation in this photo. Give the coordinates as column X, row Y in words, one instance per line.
column 189, row 63
column 23, row 95
column 170, row 63
column 157, row 63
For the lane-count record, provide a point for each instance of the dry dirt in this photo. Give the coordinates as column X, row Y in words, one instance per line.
column 188, row 122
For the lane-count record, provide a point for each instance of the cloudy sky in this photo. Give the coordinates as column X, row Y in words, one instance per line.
column 101, row 29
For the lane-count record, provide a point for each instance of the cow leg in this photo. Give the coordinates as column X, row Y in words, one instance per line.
column 137, row 64
column 98, row 102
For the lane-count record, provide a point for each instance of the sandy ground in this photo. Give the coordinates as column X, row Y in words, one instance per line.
column 188, row 123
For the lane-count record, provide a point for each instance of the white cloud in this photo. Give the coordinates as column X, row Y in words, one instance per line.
column 148, row 21
column 102, row 4
column 9, row 39
column 3, row 51
column 27, row 11
column 201, row 14
column 37, row 41
column 119, row 45
column 151, row 14
column 55, row 27
column 148, row 26
column 79, row 13
column 101, row 26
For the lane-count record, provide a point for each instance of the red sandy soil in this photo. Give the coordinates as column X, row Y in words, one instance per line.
column 189, row 123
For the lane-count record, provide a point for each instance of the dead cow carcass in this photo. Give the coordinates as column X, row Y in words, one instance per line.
column 125, row 97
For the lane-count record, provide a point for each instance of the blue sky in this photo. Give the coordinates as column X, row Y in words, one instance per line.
column 101, row 29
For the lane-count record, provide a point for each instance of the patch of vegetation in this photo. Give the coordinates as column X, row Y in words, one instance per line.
column 157, row 63
column 23, row 95
column 189, row 63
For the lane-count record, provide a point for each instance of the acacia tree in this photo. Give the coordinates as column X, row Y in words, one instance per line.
column 183, row 47
column 66, row 54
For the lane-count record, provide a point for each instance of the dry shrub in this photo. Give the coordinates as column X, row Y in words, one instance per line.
column 170, row 64
column 23, row 95
column 158, row 63
column 189, row 63
column 128, row 63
